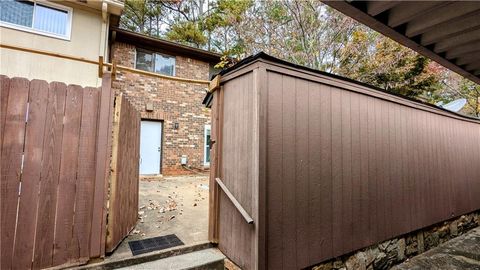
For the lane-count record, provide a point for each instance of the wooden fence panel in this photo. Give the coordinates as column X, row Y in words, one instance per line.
column 341, row 166
column 53, row 174
column 122, row 217
column 66, row 185
column 104, row 144
column 49, row 176
column 30, row 176
column 12, row 151
column 86, row 171
column 391, row 169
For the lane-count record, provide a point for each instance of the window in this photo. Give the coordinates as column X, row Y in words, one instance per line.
column 206, row 160
column 155, row 62
column 45, row 18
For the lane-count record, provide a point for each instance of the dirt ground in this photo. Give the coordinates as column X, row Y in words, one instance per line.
column 170, row 205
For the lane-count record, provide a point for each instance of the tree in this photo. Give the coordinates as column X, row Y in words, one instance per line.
column 305, row 32
column 142, row 16
column 389, row 65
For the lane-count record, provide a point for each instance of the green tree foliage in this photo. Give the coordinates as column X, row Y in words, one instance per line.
column 142, row 16
column 304, row 32
column 389, row 66
column 187, row 32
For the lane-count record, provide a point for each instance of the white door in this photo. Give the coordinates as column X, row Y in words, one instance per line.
column 150, row 147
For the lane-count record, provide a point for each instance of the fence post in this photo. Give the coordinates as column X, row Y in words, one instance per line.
column 98, row 235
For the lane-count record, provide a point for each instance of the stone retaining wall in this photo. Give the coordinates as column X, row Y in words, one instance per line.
column 394, row 251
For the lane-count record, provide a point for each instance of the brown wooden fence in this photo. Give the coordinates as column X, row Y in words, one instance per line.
column 55, row 146
column 325, row 166
column 124, row 178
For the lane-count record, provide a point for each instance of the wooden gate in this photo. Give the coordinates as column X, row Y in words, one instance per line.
column 55, row 155
column 54, row 166
column 123, row 200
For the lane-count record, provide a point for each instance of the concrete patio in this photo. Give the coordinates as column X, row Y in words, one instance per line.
column 170, row 205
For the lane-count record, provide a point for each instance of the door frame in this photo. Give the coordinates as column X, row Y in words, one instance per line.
column 162, row 128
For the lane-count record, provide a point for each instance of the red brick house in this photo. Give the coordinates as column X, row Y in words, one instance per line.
column 175, row 124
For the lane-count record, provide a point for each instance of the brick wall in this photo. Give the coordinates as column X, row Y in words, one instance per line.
column 173, row 102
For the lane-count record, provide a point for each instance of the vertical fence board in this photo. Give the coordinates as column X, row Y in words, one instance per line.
column 372, row 175
column 123, row 201
column 274, row 158
column 30, row 179
column 12, row 151
column 337, row 203
column 314, row 171
column 63, row 251
column 85, row 173
column 356, row 173
column 345, row 151
column 4, row 90
column 326, row 183
column 52, row 213
column 49, row 175
column 288, row 178
column 302, row 162
column 102, row 171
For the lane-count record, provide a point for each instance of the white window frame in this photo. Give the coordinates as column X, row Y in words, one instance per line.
column 69, row 11
column 153, row 52
column 207, row 127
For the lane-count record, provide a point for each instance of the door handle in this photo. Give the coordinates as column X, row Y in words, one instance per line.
column 159, row 148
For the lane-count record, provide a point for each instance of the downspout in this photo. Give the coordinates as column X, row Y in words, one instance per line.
column 103, row 37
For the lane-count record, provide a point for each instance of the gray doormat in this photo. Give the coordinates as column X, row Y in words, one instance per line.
column 152, row 244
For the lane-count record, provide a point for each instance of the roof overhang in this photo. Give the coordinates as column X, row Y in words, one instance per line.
column 114, row 7
column 153, row 43
column 446, row 32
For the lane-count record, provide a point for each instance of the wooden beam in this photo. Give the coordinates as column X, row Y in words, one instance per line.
column 214, row 84
column 407, row 11
column 462, row 50
column 110, row 245
column 458, row 40
column 100, row 68
column 469, row 55
column 465, row 60
column 451, row 12
column 237, row 205
column 473, row 66
column 102, row 170
column 450, row 29
column 58, row 55
column 357, row 14
column 376, row 7
column 153, row 74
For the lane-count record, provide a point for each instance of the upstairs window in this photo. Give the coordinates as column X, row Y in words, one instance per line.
column 45, row 18
column 155, row 62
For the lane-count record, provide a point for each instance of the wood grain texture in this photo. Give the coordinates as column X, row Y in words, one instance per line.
column 48, row 174
column 236, row 153
column 63, row 250
column 12, row 152
column 102, row 171
column 30, row 179
column 52, row 144
column 86, row 172
column 385, row 162
column 123, row 204
column 346, row 167
column 4, row 90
